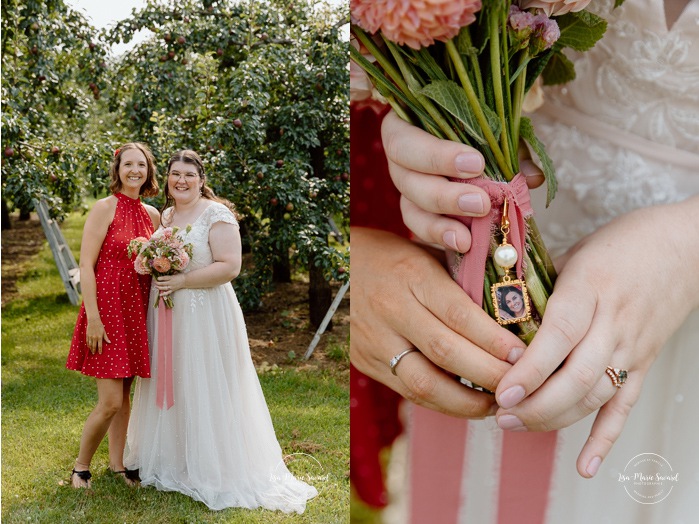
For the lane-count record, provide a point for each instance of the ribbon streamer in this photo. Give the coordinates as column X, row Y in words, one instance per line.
column 438, row 450
column 165, row 396
column 471, row 273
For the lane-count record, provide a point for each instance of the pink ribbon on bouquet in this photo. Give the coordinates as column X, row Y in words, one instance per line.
column 165, row 396
column 438, row 442
column 471, row 272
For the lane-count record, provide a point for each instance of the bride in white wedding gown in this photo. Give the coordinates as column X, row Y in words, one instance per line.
column 624, row 136
column 215, row 443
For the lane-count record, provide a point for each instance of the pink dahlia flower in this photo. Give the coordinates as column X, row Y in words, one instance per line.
column 415, row 23
column 161, row 264
column 555, row 7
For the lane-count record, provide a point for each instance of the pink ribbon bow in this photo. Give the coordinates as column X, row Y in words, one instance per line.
column 471, row 273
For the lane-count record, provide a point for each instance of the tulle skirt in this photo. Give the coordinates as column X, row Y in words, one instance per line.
column 216, row 444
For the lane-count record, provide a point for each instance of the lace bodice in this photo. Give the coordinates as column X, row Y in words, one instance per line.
column 642, row 77
column 625, row 133
column 199, row 234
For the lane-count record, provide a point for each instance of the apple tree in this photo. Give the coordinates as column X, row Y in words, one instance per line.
column 260, row 91
column 53, row 70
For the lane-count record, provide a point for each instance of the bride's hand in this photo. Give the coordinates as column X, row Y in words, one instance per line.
column 166, row 285
column 622, row 293
column 419, row 164
column 402, row 297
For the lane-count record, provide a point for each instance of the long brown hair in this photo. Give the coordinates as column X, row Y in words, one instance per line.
column 150, row 186
column 191, row 157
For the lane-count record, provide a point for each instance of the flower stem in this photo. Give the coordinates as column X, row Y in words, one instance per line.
column 496, row 74
column 518, row 93
column 391, row 71
column 478, row 111
column 415, row 87
column 475, row 66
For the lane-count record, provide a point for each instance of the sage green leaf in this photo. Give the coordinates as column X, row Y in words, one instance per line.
column 558, row 70
column 580, row 31
column 451, row 97
column 526, row 132
column 536, row 67
column 425, row 61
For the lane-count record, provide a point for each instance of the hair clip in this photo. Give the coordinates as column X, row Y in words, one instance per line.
column 116, row 152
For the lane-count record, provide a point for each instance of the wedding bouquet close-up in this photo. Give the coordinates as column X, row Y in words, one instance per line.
column 466, row 71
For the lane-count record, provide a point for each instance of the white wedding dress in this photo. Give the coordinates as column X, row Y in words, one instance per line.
column 623, row 135
column 216, row 444
column 631, row 140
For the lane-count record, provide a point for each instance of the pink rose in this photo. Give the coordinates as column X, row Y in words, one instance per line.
column 555, row 7
column 141, row 265
column 415, row 24
column 181, row 261
column 161, row 264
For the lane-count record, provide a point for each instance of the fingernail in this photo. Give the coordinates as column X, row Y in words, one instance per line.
column 511, row 397
column 529, row 168
column 449, row 239
column 471, row 203
column 514, row 355
column 593, row 466
column 469, row 163
column 510, row 422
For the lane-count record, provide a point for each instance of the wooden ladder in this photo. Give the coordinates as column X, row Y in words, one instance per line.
column 67, row 266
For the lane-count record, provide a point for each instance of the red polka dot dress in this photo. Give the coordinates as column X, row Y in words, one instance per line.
column 122, row 301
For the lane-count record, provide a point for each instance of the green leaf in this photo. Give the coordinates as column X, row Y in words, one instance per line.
column 526, row 132
column 618, row 3
column 425, row 61
column 536, row 67
column 451, row 97
column 558, row 70
column 580, row 31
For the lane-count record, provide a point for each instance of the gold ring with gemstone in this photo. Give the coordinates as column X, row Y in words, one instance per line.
column 617, row 375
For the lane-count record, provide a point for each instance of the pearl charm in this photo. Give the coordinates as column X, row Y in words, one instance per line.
column 505, row 256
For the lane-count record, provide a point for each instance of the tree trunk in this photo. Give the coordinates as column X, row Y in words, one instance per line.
column 25, row 213
column 281, row 269
column 5, row 216
column 319, row 297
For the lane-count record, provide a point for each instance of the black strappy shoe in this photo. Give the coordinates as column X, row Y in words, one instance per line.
column 82, row 475
column 128, row 474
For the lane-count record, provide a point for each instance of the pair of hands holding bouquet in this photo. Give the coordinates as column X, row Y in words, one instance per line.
column 601, row 314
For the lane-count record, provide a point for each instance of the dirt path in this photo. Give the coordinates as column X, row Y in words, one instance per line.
column 279, row 333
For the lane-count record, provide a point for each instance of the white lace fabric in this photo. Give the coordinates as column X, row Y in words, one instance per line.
column 641, row 81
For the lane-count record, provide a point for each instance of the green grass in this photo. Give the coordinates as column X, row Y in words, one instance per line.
column 44, row 407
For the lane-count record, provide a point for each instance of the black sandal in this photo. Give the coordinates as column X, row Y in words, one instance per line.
column 82, row 475
column 128, row 474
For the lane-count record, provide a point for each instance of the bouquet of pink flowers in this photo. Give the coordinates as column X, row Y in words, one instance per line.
column 164, row 253
column 460, row 70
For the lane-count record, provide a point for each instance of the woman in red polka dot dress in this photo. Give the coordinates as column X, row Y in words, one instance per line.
column 110, row 341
